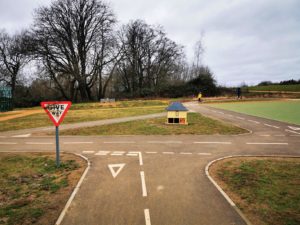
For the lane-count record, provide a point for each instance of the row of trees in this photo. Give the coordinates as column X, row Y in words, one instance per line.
column 81, row 54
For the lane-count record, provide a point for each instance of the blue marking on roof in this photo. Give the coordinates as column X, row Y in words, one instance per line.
column 176, row 106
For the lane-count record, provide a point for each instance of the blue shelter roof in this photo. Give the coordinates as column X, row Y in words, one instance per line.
column 176, row 106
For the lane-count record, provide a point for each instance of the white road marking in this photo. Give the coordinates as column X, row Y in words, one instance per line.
column 71, row 143
column 168, row 153
column 140, row 157
column 164, row 142
column 147, row 216
column 130, row 154
column 151, row 152
column 241, row 118
column 221, row 113
column 291, row 131
column 186, row 153
column 294, row 128
column 144, row 189
column 2, row 136
column 265, row 135
column 295, row 135
column 112, row 169
column 88, row 152
column 261, row 143
column 204, row 153
column 279, row 135
column 102, row 153
column 8, row 143
column 254, row 121
column 22, row 136
column 119, row 142
column 116, row 154
column 268, row 125
column 38, row 143
column 212, row 142
column 229, row 115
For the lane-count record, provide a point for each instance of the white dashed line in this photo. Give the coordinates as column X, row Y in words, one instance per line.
column 254, row 121
column 279, row 135
column 7, row 143
column 117, row 153
column 147, row 216
column 74, row 143
column 204, row 153
column 151, row 152
column 22, row 136
column 291, row 131
column 102, row 153
column 212, row 142
column 241, row 118
column 168, row 153
column 140, row 157
column 265, row 135
column 131, row 154
column 261, row 143
column 186, row 153
column 88, row 152
column 268, row 125
column 164, row 142
column 38, row 143
column 144, row 189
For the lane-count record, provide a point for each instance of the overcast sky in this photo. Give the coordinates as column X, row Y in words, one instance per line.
column 245, row 40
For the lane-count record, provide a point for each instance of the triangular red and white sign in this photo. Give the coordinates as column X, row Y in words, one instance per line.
column 56, row 110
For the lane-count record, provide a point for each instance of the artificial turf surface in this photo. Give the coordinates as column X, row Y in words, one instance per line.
column 285, row 111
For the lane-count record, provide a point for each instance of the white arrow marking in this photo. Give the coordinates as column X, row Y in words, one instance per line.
column 112, row 170
column 294, row 128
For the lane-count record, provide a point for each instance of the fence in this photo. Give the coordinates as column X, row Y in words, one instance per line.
column 6, row 103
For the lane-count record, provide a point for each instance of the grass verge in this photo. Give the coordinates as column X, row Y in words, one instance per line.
column 32, row 189
column 198, row 124
column 266, row 189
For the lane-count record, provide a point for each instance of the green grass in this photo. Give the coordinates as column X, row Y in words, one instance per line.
column 29, row 186
column 76, row 115
column 197, row 125
column 266, row 189
column 289, row 88
column 285, row 111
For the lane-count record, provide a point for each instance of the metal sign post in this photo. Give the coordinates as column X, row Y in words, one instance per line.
column 56, row 112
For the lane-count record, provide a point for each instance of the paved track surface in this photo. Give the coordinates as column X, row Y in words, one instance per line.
column 160, row 180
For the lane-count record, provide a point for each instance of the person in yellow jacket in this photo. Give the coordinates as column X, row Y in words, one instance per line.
column 199, row 97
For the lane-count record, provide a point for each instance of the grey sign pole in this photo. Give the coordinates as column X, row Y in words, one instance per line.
column 57, row 146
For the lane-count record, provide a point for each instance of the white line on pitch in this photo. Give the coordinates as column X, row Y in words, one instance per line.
column 88, row 152
column 38, row 143
column 204, row 153
column 186, row 153
column 119, row 142
column 291, row 131
column 144, row 189
column 261, row 143
column 147, row 216
column 241, row 118
column 268, row 125
column 151, row 152
column 164, row 142
column 71, row 143
column 7, row 143
column 212, row 142
column 254, row 121
column 168, row 153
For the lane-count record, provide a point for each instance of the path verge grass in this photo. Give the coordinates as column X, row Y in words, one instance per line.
column 198, row 124
column 266, row 189
column 32, row 189
column 285, row 111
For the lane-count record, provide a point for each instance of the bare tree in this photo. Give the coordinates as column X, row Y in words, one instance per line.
column 13, row 58
column 72, row 39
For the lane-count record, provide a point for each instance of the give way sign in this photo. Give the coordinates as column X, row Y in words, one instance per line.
column 56, row 110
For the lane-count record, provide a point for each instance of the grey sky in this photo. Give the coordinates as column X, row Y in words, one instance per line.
column 245, row 40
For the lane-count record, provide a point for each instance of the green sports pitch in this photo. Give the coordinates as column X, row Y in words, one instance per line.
column 285, row 111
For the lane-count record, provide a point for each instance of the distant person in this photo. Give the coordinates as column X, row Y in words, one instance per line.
column 239, row 93
column 200, row 97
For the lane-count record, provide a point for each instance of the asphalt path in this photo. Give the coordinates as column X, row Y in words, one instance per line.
column 160, row 180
